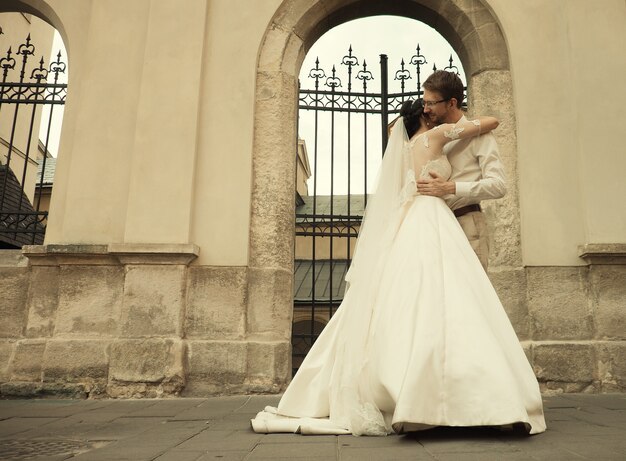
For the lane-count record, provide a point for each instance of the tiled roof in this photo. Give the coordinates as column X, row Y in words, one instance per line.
column 323, row 273
column 339, row 202
column 48, row 175
column 10, row 222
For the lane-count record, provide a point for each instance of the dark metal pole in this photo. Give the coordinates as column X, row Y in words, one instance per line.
column 384, row 91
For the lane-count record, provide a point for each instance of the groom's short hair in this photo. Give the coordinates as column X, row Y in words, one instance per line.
column 448, row 84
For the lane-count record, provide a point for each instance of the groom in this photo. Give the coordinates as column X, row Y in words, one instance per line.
column 477, row 172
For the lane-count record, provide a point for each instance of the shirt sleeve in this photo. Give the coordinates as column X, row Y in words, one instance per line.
column 492, row 185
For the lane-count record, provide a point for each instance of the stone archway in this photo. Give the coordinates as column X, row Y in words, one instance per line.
column 38, row 8
column 470, row 27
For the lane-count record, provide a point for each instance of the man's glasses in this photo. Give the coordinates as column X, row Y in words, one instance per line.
column 432, row 103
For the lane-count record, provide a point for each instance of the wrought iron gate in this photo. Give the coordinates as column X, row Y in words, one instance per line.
column 23, row 158
column 326, row 225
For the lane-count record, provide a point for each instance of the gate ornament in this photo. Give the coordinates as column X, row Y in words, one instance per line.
column 23, row 222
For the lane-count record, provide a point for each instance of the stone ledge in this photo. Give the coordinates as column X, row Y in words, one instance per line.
column 154, row 253
column 603, row 253
column 72, row 254
column 111, row 254
column 12, row 258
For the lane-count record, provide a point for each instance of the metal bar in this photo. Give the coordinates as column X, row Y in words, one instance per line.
column 10, row 150
column 384, row 99
column 45, row 156
column 319, row 74
column 332, row 183
column 25, row 50
column 27, row 156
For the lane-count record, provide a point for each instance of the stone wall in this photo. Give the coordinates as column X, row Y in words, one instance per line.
column 139, row 321
column 128, row 321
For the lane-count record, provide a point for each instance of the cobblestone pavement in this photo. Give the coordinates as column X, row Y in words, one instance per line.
column 580, row 427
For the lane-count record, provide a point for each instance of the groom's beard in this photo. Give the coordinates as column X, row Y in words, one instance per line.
column 436, row 119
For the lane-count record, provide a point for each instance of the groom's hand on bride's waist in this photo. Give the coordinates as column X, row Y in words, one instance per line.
column 436, row 186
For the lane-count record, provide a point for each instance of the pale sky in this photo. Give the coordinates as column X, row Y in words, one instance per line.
column 57, row 114
column 395, row 36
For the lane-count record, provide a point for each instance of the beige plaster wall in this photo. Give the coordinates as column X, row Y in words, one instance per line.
column 221, row 208
column 569, row 109
column 166, row 139
column 173, row 119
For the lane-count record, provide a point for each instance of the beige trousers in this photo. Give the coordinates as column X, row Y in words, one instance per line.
column 475, row 228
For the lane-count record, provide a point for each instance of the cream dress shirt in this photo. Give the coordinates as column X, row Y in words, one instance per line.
column 476, row 170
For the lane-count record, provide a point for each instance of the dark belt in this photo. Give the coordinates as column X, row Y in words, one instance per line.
column 466, row 209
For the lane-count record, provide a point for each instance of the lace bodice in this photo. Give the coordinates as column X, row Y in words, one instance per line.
column 420, row 161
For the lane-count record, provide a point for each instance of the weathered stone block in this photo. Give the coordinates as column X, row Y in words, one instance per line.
column 273, row 49
column 486, row 49
column 527, row 346
column 558, row 303
column 6, row 352
column 466, row 16
column 290, row 13
column 20, row 389
column 612, row 365
column 491, row 93
column 293, row 56
column 43, row 300
column 511, row 288
column 14, row 289
column 565, row 363
column 90, row 300
column 608, row 293
column 155, row 360
column 153, row 301
column 269, row 365
column 270, row 305
column 272, row 214
column 27, row 360
column 222, row 362
column 216, row 302
column 76, row 360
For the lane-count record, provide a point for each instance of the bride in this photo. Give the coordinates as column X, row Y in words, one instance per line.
column 421, row 338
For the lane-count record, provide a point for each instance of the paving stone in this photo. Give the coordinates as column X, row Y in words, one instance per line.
column 167, row 407
column 468, row 446
column 610, row 401
column 13, row 426
column 301, row 450
column 234, row 422
column 483, row 456
column 121, row 428
column 224, row 456
column 580, row 427
column 213, row 408
column 362, row 442
column 295, row 438
column 181, row 456
column 257, row 403
column 221, row 440
column 414, row 452
column 596, row 448
column 50, row 408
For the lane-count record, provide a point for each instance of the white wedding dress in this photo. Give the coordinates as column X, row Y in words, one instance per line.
column 421, row 338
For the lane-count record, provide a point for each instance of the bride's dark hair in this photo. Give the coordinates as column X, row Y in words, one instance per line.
column 412, row 111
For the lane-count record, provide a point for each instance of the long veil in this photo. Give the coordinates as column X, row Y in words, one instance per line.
column 395, row 185
column 352, row 403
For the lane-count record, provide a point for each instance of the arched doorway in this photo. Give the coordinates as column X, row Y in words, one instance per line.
column 33, row 89
column 477, row 38
column 351, row 87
